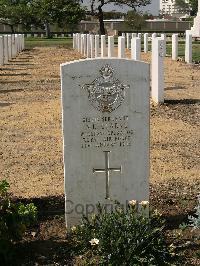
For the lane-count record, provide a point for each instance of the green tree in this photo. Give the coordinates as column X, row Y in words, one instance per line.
column 191, row 6
column 96, row 8
column 17, row 12
column 182, row 5
column 194, row 7
column 135, row 19
column 61, row 12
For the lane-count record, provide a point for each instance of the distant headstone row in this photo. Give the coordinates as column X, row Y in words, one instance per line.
column 94, row 46
column 42, row 35
column 10, row 47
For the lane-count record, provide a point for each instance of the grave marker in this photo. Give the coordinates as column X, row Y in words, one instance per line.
column 96, row 46
column 106, row 151
column 188, row 47
column 1, row 51
column 157, row 72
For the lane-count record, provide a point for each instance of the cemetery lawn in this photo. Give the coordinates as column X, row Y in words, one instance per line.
column 31, row 151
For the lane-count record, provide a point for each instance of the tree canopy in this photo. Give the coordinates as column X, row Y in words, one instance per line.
column 17, row 12
column 135, row 19
column 40, row 13
column 191, row 6
column 96, row 8
column 61, row 12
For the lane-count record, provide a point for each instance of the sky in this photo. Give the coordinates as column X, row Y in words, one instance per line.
column 152, row 8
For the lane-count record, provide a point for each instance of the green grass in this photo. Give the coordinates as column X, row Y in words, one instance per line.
column 181, row 50
column 44, row 42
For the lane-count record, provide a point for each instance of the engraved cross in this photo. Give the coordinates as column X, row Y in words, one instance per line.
column 107, row 171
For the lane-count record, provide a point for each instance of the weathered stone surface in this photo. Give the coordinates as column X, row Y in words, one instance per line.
column 106, row 133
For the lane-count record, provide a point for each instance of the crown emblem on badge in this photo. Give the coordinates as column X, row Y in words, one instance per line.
column 106, row 93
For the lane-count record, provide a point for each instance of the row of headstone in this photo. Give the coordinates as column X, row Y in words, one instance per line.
column 146, row 39
column 42, row 35
column 94, row 46
column 106, row 152
column 10, row 46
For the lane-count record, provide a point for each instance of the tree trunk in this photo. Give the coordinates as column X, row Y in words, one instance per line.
column 12, row 29
column 101, row 23
column 47, row 29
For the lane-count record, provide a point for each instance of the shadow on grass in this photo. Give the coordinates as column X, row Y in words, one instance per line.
column 42, row 252
column 55, row 205
column 11, row 90
column 5, row 104
column 14, row 74
column 47, row 206
column 182, row 101
column 175, row 88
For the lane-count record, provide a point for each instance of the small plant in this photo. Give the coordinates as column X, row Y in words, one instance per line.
column 195, row 220
column 123, row 237
column 14, row 219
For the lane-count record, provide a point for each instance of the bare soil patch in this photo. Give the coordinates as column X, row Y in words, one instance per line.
column 31, row 144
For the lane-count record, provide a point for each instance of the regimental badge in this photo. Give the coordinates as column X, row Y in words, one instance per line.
column 106, row 93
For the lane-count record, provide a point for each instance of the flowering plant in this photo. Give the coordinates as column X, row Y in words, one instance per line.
column 122, row 237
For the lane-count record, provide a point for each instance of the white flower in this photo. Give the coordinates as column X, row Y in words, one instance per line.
column 132, row 203
column 93, row 217
column 94, row 242
column 144, row 203
column 157, row 213
column 73, row 228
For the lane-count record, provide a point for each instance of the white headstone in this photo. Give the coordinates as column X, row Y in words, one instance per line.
column 23, row 41
column 163, row 37
column 96, row 46
column 136, row 48
column 106, row 151
column 79, row 42
column 5, row 43
column 157, row 70
column 103, row 46
column 128, row 35
column 14, row 48
column 110, row 46
column 74, row 41
column 85, row 44
column 92, row 45
column 9, row 47
column 1, row 51
column 88, row 46
column 188, row 47
column 174, row 46
column 82, row 44
column 146, row 42
column 140, row 35
column 17, row 43
column 121, row 47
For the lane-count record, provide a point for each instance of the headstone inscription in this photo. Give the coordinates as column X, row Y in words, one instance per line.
column 105, row 105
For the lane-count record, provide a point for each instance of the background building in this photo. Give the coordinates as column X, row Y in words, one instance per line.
column 168, row 7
